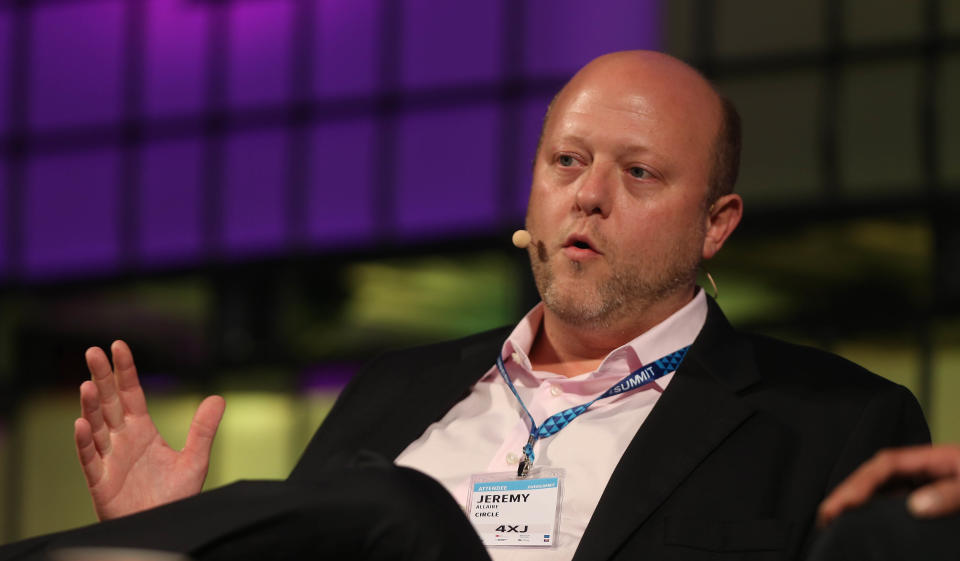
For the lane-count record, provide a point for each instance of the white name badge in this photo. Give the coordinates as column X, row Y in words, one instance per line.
column 509, row 511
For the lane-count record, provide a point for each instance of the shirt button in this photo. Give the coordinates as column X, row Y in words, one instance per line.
column 555, row 391
column 512, row 458
column 515, row 357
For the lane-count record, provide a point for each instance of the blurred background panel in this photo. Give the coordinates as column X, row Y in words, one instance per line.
column 778, row 177
column 754, row 28
column 557, row 37
column 75, row 78
column 175, row 57
column 71, row 215
column 880, row 129
column 445, row 180
column 253, row 206
column 948, row 143
column 345, row 48
column 259, row 40
column 6, row 35
column 259, row 195
column 444, row 44
column 341, row 184
column 170, row 228
column 4, row 202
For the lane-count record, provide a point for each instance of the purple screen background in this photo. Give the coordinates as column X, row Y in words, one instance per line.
column 169, row 133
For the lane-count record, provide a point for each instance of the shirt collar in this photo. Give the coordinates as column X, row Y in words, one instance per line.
column 677, row 331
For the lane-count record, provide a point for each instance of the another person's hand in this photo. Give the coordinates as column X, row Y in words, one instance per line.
column 128, row 466
column 940, row 464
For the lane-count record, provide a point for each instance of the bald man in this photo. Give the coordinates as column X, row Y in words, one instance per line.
column 653, row 429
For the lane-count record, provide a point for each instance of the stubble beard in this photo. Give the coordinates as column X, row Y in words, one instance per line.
column 626, row 291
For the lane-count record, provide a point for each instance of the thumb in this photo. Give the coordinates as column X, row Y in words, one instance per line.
column 204, row 427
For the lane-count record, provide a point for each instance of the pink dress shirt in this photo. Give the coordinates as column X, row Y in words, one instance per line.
column 486, row 430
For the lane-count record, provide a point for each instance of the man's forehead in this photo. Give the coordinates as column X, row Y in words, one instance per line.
column 616, row 128
column 621, row 102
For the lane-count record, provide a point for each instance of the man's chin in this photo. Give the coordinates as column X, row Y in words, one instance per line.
column 576, row 308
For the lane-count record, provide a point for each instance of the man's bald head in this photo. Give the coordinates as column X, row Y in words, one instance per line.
column 665, row 77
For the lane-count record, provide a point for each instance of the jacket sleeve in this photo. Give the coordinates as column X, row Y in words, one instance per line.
column 890, row 419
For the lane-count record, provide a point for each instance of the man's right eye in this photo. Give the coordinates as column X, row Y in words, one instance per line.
column 565, row 160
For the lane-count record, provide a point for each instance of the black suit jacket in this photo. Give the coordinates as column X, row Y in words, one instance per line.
column 731, row 463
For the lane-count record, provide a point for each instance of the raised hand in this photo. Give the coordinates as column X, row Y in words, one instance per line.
column 129, row 467
column 939, row 464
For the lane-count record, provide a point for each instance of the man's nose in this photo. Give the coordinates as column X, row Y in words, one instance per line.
column 595, row 193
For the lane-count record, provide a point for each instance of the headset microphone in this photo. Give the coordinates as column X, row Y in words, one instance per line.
column 521, row 239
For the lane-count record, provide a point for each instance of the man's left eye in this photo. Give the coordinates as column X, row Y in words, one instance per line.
column 638, row 172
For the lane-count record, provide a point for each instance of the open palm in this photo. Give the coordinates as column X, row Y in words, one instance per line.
column 128, row 466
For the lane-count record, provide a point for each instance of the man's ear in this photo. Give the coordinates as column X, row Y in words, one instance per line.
column 722, row 218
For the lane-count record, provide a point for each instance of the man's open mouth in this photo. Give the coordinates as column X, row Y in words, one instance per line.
column 578, row 242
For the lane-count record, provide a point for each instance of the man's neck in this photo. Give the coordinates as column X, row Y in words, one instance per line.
column 572, row 349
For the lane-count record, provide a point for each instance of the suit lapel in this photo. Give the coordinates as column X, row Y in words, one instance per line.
column 444, row 384
column 693, row 416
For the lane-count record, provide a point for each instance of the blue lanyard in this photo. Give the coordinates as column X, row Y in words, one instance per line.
column 635, row 380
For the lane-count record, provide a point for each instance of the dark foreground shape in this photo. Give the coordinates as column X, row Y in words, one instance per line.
column 883, row 530
column 367, row 510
